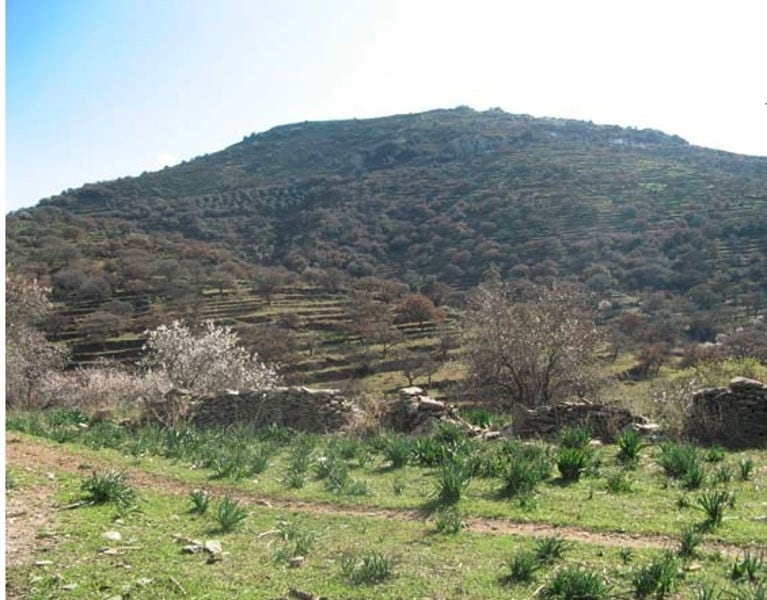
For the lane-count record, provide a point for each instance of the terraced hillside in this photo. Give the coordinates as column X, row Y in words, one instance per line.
column 445, row 196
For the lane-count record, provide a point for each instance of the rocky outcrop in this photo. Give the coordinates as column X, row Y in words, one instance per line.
column 300, row 408
column 735, row 416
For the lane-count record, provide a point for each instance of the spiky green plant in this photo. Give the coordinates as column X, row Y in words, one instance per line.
column 688, row 542
column 111, row 486
column 452, row 478
column 200, row 500
column 575, row 583
column 713, row 504
column 230, row 514
column 571, row 462
column 522, row 568
column 745, row 469
column 630, row 444
column 550, row 549
column 655, row 579
column 367, row 569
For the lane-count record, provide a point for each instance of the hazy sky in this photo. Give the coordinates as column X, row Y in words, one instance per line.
column 97, row 89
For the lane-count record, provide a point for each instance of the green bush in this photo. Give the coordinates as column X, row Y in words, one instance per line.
column 522, row 568
column 200, row 500
column 630, row 443
column 677, row 460
column 573, row 583
column 713, row 505
column 574, row 437
column 571, row 462
column 657, row 578
column 452, row 478
column 101, row 488
column 230, row 514
column 549, row 549
column 370, row 568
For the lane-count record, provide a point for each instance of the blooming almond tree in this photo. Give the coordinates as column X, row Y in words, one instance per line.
column 208, row 361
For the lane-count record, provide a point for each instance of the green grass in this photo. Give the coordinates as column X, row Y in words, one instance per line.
column 385, row 556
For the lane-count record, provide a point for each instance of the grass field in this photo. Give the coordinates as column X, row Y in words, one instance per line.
column 382, row 517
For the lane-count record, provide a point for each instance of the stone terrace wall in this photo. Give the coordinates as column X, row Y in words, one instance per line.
column 735, row 416
column 602, row 421
column 300, row 408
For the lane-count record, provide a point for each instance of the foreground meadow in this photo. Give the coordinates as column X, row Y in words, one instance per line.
column 97, row 511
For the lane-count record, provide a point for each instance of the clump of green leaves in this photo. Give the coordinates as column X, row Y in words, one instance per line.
column 452, row 478
column 713, row 504
column 655, row 579
column 747, row 567
column 230, row 514
column 574, row 437
column 448, row 520
column 688, row 542
column 746, row 469
column 630, row 443
column 200, row 500
column 370, row 568
column 522, row 568
column 550, row 549
column 575, row 583
column 111, row 486
column 397, row 449
column 677, row 460
column 571, row 462
column 295, row 540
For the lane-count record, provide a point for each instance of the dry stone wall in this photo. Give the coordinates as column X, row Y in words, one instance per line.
column 735, row 416
column 602, row 421
column 300, row 408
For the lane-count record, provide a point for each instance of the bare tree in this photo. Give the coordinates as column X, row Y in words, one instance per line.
column 29, row 356
column 532, row 349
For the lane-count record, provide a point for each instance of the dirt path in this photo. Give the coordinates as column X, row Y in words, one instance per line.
column 38, row 508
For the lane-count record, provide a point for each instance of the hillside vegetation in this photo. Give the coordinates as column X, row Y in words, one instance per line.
column 438, row 201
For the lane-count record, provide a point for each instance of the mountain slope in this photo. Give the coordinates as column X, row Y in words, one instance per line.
column 446, row 193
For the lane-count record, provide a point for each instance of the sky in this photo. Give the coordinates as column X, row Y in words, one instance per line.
column 99, row 89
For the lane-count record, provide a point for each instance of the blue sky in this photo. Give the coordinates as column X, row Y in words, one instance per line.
column 98, row 89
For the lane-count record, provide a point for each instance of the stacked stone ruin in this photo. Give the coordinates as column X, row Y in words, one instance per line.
column 301, row 408
column 735, row 416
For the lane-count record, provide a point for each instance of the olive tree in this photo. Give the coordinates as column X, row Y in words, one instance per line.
column 531, row 348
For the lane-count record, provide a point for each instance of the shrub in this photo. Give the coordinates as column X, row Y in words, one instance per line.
column 630, row 443
column 715, row 454
column 448, row 520
column 522, row 568
column 200, row 500
column 688, row 542
column 230, row 514
column 549, row 549
column 396, row 449
column 746, row 469
column 678, row 459
column 370, row 568
column 657, row 578
column 111, row 486
column 571, row 462
column 713, row 505
column 619, row 483
column 574, row 437
column 295, row 540
column 573, row 583
column 523, row 474
column 746, row 568
column 452, row 477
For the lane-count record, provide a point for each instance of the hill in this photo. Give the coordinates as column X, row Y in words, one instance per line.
column 443, row 197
